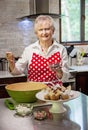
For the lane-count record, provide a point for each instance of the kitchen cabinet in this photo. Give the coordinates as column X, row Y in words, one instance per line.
column 6, row 78
column 82, row 82
column 81, row 78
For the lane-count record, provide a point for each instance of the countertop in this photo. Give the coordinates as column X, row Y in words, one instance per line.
column 75, row 68
column 75, row 117
column 72, row 69
column 7, row 74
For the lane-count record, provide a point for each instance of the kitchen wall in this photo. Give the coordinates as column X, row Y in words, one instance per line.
column 15, row 35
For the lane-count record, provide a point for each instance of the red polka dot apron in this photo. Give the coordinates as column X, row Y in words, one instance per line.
column 39, row 70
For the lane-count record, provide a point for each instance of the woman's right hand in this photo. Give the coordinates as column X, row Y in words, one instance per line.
column 10, row 57
column 11, row 60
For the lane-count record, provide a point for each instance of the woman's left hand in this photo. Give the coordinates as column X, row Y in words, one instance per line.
column 57, row 68
column 59, row 72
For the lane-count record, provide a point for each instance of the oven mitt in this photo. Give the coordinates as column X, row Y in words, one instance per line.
column 9, row 104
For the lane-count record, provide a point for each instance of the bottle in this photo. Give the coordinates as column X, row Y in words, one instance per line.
column 79, row 57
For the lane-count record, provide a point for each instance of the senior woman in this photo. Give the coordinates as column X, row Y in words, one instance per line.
column 46, row 59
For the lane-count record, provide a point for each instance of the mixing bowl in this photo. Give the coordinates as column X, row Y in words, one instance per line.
column 24, row 92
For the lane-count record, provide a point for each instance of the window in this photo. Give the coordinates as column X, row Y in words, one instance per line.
column 86, row 20
column 74, row 23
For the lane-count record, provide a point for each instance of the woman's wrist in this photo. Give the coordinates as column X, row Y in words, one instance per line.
column 59, row 73
column 11, row 65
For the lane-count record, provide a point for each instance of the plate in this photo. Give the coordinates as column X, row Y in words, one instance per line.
column 73, row 95
column 57, row 105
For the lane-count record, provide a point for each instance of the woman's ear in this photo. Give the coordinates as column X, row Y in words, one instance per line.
column 53, row 29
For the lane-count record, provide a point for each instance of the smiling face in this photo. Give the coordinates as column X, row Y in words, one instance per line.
column 44, row 29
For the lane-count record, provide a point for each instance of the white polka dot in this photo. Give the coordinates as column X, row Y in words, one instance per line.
column 39, row 60
column 49, row 74
column 47, row 67
column 44, row 64
column 46, row 76
column 36, row 72
column 33, row 69
column 44, row 69
column 41, row 67
column 49, row 79
column 33, row 64
column 55, row 61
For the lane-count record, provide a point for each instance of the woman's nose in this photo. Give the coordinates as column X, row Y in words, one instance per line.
column 44, row 31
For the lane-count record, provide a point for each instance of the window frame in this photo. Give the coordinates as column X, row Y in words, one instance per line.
column 82, row 27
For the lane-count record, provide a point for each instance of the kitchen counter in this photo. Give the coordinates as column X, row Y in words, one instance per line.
column 75, row 117
column 7, row 74
column 75, row 68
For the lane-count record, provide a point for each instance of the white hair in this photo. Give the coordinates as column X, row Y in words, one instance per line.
column 41, row 18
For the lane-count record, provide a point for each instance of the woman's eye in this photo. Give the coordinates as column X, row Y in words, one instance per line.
column 46, row 29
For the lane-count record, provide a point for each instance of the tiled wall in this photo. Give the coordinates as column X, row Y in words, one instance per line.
column 14, row 35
